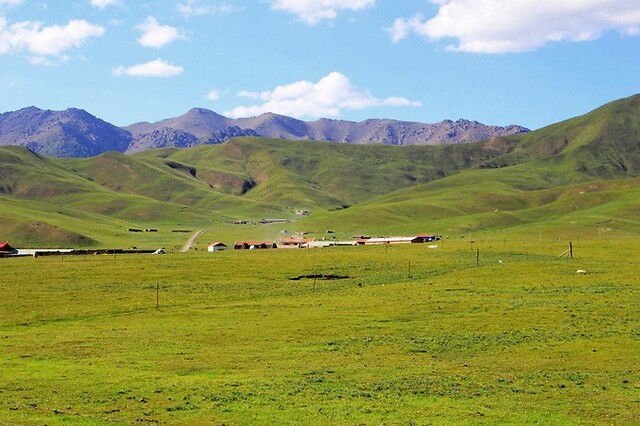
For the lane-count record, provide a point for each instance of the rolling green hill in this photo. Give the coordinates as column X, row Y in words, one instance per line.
column 580, row 175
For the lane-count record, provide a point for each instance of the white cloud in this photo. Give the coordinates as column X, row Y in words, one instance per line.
column 214, row 95
column 156, row 35
column 500, row 26
column 10, row 2
column 157, row 68
column 403, row 27
column 191, row 8
column 326, row 98
column 45, row 61
column 46, row 41
column 313, row 11
column 102, row 4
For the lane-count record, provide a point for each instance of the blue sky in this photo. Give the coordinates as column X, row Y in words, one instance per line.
column 527, row 62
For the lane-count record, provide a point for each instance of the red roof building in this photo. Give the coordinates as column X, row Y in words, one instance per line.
column 5, row 247
column 294, row 242
column 250, row 245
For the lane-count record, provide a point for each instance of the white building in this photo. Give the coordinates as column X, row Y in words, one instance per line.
column 217, row 246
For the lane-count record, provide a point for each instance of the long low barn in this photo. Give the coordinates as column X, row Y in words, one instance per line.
column 253, row 245
column 398, row 240
column 391, row 240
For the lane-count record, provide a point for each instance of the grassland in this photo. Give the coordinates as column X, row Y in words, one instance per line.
column 412, row 336
column 92, row 203
column 493, row 326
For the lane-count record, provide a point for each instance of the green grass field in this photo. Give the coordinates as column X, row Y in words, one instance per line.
column 412, row 336
column 492, row 326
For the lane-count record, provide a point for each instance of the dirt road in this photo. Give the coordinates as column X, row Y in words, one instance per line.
column 190, row 241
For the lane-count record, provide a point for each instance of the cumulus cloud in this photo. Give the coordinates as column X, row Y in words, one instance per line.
column 41, row 41
column 313, row 11
column 191, row 8
column 326, row 98
column 102, row 4
column 501, row 26
column 156, row 35
column 157, row 68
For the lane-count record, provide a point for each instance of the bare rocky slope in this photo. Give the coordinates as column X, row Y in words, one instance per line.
column 208, row 127
column 77, row 133
column 69, row 133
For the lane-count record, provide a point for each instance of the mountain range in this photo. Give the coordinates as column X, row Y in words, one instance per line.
column 76, row 133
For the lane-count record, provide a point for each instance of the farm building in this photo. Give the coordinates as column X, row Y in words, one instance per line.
column 346, row 243
column 322, row 244
column 318, row 244
column 390, row 240
column 217, row 246
column 252, row 245
column 5, row 248
column 428, row 238
column 294, row 242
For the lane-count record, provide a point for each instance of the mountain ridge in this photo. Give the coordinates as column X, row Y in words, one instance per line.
column 77, row 133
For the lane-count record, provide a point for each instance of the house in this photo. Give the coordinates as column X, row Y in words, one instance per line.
column 294, row 242
column 253, row 245
column 5, row 248
column 217, row 246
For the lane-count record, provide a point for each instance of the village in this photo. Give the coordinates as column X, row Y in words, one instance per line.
column 301, row 242
column 293, row 242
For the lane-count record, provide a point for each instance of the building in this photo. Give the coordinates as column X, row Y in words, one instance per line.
column 217, row 246
column 429, row 238
column 390, row 240
column 346, row 243
column 318, row 244
column 5, row 249
column 294, row 242
column 253, row 245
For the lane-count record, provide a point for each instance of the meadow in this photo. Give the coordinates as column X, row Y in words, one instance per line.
column 498, row 330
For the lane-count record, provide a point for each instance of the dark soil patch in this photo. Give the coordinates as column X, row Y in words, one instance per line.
column 320, row 277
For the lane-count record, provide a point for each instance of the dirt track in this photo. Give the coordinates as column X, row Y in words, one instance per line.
column 190, row 241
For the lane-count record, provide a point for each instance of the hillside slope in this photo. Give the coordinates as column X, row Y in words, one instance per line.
column 243, row 178
column 604, row 143
column 582, row 173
